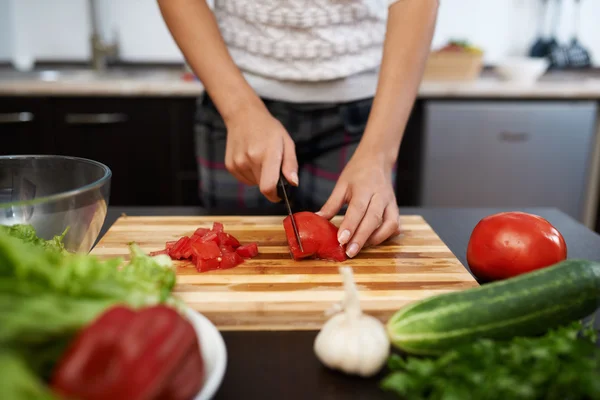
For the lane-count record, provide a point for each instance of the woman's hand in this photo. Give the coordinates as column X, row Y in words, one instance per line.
column 372, row 216
column 258, row 148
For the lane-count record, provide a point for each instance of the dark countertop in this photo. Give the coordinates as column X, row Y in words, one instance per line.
column 282, row 365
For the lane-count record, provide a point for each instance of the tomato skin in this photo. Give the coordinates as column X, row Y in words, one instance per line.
column 318, row 236
column 508, row 244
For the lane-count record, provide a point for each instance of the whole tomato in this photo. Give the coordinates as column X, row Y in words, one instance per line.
column 508, row 244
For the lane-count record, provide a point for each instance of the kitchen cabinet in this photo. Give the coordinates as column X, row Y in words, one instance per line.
column 146, row 142
column 508, row 154
column 130, row 136
column 24, row 126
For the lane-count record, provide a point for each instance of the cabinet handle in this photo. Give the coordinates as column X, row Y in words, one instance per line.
column 514, row 136
column 95, row 119
column 16, row 118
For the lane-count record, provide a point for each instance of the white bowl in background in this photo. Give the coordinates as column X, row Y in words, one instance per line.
column 522, row 69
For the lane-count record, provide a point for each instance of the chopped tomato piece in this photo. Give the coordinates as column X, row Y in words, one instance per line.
column 248, row 250
column 230, row 260
column 206, row 250
column 226, row 249
column 177, row 250
column 211, row 237
column 207, row 265
column 201, row 231
column 217, row 227
column 227, row 240
column 210, row 249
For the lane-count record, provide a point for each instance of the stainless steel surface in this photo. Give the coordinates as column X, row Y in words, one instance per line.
column 16, row 118
column 289, row 208
column 53, row 193
column 508, row 154
column 96, row 119
column 101, row 51
column 66, row 74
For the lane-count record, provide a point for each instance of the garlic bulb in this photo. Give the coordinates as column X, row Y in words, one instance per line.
column 350, row 341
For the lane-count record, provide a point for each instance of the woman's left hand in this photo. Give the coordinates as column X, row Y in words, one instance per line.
column 372, row 215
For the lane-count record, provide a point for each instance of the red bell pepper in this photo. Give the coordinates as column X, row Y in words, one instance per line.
column 318, row 236
column 149, row 354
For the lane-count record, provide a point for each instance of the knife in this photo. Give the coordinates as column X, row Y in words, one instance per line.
column 283, row 193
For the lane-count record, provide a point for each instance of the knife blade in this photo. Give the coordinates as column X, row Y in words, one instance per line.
column 283, row 193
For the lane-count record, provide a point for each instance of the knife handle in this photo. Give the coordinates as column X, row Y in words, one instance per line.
column 281, row 188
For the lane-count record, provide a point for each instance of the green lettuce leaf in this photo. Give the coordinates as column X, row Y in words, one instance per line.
column 18, row 381
column 48, row 295
column 28, row 234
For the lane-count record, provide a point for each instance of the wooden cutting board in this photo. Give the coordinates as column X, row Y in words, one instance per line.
column 272, row 291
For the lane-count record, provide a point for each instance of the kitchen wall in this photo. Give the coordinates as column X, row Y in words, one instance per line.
column 59, row 29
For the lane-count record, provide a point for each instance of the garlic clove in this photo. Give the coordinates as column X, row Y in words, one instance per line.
column 350, row 341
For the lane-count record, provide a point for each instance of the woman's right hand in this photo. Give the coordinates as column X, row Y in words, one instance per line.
column 258, row 148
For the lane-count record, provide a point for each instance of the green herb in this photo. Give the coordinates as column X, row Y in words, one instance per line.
column 563, row 364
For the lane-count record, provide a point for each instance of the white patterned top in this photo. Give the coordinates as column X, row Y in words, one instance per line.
column 306, row 50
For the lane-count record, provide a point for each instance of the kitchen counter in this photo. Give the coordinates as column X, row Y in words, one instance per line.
column 274, row 365
column 168, row 82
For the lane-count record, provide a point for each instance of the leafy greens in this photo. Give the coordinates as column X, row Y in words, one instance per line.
column 558, row 365
column 48, row 294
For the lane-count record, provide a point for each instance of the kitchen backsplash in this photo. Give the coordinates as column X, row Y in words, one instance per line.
column 59, row 29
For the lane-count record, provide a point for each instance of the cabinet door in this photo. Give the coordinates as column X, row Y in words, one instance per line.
column 508, row 154
column 22, row 126
column 129, row 135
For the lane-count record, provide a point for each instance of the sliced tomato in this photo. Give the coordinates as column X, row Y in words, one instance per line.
column 207, row 265
column 170, row 244
column 217, row 227
column 226, row 249
column 211, row 237
column 177, row 250
column 230, row 260
column 248, row 250
column 206, row 250
column 318, row 236
column 201, row 231
column 227, row 240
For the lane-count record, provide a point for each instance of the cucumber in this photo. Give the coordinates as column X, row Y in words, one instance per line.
column 526, row 305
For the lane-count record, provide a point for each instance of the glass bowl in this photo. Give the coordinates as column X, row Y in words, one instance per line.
column 53, row 193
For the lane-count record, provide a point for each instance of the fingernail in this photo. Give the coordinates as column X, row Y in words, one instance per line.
column 352, row 250
column 294, row 177
column 319, row 213
column 344, row 236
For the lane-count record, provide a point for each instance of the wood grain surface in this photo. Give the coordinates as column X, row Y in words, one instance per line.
column 274, row 292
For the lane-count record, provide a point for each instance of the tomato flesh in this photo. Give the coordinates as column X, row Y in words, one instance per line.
column 210, row 249
column 248, row 250
column 318, row 236
column 230, row 260
column 508, row 244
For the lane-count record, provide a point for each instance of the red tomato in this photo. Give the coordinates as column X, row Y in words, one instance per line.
column 206, row 250
column 318, row 236
column 226, row 239
column 201, row 231
column 230, row 260
column 512, row 243
column 248, row 250
column 206, row 265
column 217, row 227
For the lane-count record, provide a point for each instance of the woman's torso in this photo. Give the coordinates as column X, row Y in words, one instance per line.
column 306, row 50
